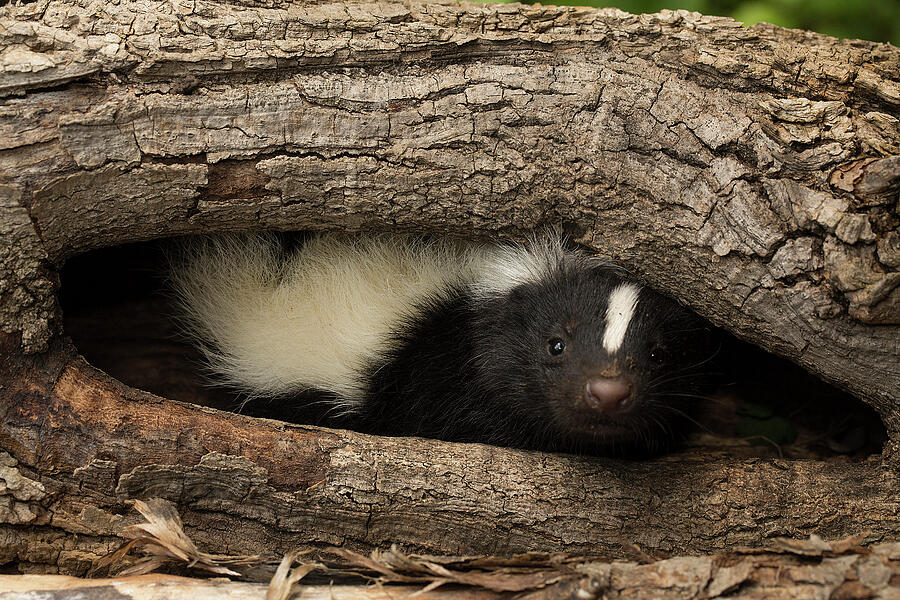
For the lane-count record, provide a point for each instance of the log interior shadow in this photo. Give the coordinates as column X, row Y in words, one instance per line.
column 118, row 313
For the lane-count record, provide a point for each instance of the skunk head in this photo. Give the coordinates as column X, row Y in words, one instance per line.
column 589, row 361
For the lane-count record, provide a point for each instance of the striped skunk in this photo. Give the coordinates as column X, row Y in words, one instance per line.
column 532, row 346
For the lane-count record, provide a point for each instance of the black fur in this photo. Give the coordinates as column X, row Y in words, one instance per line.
column 478, row 370
column 475, row 367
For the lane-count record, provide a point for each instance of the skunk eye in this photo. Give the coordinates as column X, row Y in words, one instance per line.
column 658, row 355
column 555, row 346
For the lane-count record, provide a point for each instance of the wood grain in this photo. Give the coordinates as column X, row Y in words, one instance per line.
column 750, row 172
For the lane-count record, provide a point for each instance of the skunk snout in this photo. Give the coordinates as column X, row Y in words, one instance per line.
column 609, row 396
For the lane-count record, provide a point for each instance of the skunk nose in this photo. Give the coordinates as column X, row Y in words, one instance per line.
column 608, row 395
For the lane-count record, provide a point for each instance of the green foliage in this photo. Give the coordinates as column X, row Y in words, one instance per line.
column 877, row 20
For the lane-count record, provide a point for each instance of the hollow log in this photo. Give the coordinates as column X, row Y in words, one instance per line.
column 752, row 173
column 86, row 444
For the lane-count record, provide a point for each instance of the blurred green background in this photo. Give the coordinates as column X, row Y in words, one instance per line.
column 877, row 20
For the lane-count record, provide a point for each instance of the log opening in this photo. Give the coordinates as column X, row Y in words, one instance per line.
column 79, row 445
column 750, row 172
column 119, row 315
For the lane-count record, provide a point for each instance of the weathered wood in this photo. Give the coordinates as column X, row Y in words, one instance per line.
column 162, row 587
column 86, row 444
column 809, row 570
column 753, row 173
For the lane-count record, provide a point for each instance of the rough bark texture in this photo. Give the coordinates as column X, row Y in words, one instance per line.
column 86, row 444
column 752, row 173
column 811, row 572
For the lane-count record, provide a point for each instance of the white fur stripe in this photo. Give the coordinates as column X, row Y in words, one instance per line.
column 619, row 313
column 318, row 318
column 504, row 268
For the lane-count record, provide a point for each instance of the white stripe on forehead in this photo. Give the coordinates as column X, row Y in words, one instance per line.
column 619, row 313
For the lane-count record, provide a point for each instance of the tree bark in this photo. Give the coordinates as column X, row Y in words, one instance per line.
column 810, row 570
column 86, row 444
column 751, row 173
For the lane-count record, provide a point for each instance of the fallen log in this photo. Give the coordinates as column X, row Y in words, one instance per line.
column 751, row 173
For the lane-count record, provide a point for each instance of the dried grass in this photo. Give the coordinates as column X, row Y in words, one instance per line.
column 163, row 542
column 282, row 582
column 516, row 574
